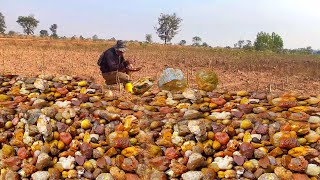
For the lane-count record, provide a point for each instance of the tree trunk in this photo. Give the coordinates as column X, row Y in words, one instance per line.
column 165, row 40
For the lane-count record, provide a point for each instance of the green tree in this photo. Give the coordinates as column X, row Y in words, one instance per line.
column 28, row 23
column 44, row 33
column 148, row 38
column 168, row 26
column 276, row 42
column 182, row 42
column 2, row 24
column 196, row 41
column 53, row 29
column 265, row 41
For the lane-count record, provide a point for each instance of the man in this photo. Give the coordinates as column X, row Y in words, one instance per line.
column 114, row 68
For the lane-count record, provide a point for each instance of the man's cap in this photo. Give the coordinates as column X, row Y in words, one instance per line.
column 120, row 46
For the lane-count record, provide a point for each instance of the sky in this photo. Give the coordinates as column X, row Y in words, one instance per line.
column 217, row 22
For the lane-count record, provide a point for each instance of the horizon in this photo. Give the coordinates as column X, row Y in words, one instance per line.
column 294, row 20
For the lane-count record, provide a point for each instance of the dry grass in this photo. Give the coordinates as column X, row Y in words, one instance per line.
column 237, row 69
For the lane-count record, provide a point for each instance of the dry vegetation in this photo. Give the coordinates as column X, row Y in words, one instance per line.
column 237, row 69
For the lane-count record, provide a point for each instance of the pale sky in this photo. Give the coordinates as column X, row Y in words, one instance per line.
column 217, row 22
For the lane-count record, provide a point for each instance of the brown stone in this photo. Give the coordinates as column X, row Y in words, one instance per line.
column 298, row 164
column 239, row 160
column 160, row 163
column 300, row 177
column 264, row 162
column 246, row 149
column 222, row 137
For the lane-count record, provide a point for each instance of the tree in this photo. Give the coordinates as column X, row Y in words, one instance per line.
column 12, row 33
column 204, row 44
column 95, row 37
column 44, row 33
column 28, row 23
column 277, row 42
column 168, row 26
column 196, row 41
column 239, row 44
column 182, row 42
column 53, row 29
column 265, row 41
column 81, row 37
column 148, row 38
column 2, row 24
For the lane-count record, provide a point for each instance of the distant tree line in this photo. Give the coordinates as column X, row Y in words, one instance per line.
column 168, row 27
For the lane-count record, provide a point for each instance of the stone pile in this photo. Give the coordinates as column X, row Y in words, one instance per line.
column 68, row 128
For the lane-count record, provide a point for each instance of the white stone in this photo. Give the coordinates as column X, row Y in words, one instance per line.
column 40, row 175
column 189, row 94
column 313, row 170
column 104, row 176
column 67, row 163
column 220, row 116
column 314, row 119
column 224, row 163
column 268, row 176
column 171, row 102
column 176, row 139
column 192, row 175
column 194, row 127
column 43, row 125
column 41, row 84
column 63, row 104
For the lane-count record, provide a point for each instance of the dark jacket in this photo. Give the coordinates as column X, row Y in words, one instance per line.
column 109, row 61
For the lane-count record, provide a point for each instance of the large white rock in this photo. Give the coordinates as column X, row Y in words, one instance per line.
column 313, row 170
column 220, row 116
column 192, row 175
column 224, row 163
column 105, row 176
column 67, row 163
column 40, row 175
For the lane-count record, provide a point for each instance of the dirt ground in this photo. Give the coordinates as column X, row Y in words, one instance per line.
column 237, row 69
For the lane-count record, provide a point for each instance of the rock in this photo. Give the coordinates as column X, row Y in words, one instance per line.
column 239, row 160
column 197, row 127
column 41, row 84
column 40, row 175
column 117, row 173
column 191, row 114
column 314, row 119
column 313, row 170
column 283, row 173
column 10, row 175
column 129, row 164
column 219, row 116
column 172, row 80
column 223, row 163
column 246, row 124
column 43, row 161
column 312, row 137
column 222, row 137
column 300, row 177
column 67, row 163
column 160, row 163
column 195, row 160
column 65, row 137
column 192, row 175
column 298, row 164
column 246, row 149
column 268, row 176
column 104, row 176
column 86, row 150
column 207, row 79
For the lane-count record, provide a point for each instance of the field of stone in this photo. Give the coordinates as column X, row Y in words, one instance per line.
column 58, row 122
